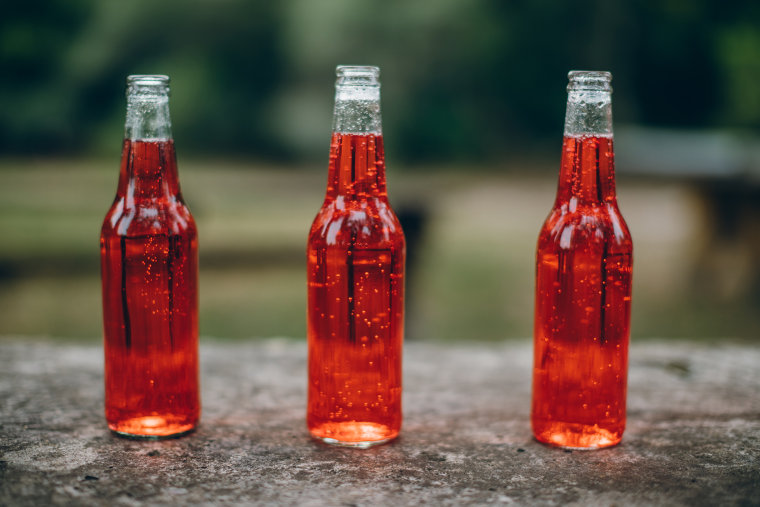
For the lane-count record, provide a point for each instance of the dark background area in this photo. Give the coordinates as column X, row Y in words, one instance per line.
column 463, row 81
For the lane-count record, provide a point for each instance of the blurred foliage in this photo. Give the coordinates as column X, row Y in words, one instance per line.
column 463, row 80
column 473, row 278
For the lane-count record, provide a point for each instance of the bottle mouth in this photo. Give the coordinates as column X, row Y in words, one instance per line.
column 147, row 85
column 357, row 75
column 596, row 80
column 148, row 79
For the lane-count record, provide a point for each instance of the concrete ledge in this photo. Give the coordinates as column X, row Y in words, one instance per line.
column 693, row 434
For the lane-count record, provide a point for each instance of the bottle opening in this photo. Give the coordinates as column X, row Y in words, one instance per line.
column 357, row 75
column 148, row 79
column 596, row 80
column 147, row 85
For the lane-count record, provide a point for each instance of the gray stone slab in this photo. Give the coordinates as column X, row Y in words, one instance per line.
column 693, row 434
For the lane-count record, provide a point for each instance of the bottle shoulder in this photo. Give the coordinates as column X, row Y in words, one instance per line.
column 567, row 228
column 368, row 221
column 160, row 217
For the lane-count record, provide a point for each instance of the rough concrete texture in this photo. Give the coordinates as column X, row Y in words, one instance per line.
column 693, row 434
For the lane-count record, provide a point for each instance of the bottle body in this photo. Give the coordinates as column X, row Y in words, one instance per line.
column 149, row 267
column 583, row 301
column 355, row 266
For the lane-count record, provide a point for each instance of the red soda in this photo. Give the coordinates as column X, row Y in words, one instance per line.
column 149, row 262
column 583, row 304
column 355, row 268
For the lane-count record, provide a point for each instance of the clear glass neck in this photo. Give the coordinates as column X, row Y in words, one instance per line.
column 357, row 100
column 589, row 104
column 148, row 116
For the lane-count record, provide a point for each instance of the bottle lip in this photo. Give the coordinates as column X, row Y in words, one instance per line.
column 358, row 76
column 148, row 85
column 148, row 79
column 597, row 80
column 365, row 71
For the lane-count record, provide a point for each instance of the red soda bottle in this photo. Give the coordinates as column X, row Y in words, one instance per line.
column 355, row 263
column 583, row 284
column 149, row 266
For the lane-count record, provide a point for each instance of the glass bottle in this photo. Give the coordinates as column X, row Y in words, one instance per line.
column 583, row 284
column 149, row 267
column 355, row 263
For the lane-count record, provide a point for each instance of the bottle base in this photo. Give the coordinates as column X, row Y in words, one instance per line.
column 357, row 434
column 151, row 428
column 577, row 436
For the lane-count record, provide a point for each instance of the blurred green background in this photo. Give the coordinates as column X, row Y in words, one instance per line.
column 473, row 109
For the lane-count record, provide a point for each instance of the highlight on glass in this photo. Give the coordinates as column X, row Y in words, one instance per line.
column 149, row 267
column 355, row 270
column 583, row 284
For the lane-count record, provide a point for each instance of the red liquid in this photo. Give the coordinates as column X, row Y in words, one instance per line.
column 149, row 262
column 583, row 304
column 356, row 298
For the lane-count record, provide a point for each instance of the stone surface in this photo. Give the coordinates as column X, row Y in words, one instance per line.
column 693, row 434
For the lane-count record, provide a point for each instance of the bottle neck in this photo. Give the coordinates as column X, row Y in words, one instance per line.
column 148, row 172
column 357, row 167
column 357, row 160
column 587, row 172
column 357, row 109
column 148, row 118
column 148, row 163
